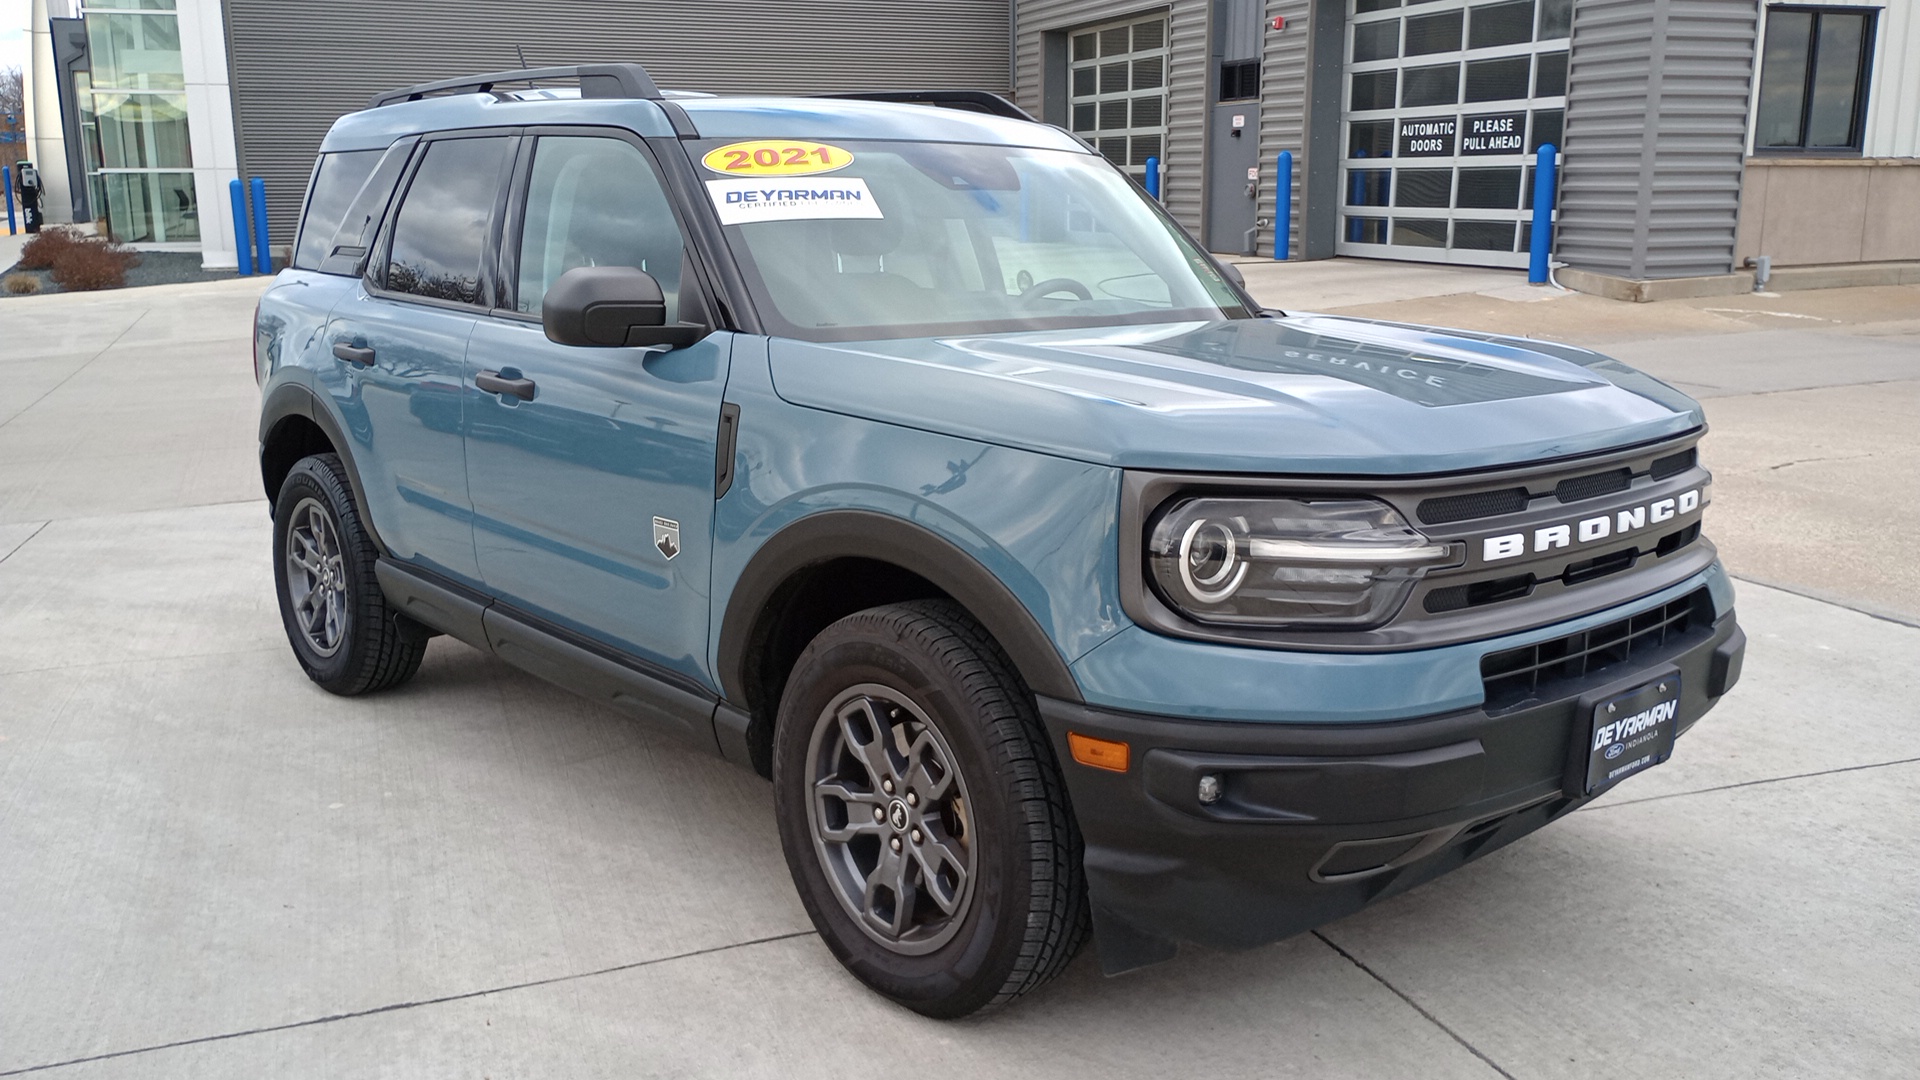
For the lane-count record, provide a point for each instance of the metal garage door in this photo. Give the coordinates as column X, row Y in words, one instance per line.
column 1118, row 89
column 1446, row 100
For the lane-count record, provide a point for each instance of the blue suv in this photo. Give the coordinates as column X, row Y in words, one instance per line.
column 902, row 450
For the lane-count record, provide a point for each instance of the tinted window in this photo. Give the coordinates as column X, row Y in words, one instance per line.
column 1812, row 79
column 1783, row 78
column 1489, row 189
column 1836, row 79
column 596, row 202
column 1556, row 19
column 1483, row 235
column 441, row 233
column 1370, row 138
column 1550, row 75
column 362, row 222
column 1547, row 125
column 1376, row 40
column 1424, row 187
column 336, row 182
column 1433, row 33
column 1496, row 80
column 1501, row 24
column 1374, row 89
column 1431, row 86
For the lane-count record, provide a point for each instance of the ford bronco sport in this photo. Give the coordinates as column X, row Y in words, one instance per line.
column 914, row 458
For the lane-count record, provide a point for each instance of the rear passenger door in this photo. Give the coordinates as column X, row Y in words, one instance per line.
column 399, row 343
column 593, row 495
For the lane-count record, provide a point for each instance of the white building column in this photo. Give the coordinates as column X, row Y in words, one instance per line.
column 203, row 58
column 46, row 143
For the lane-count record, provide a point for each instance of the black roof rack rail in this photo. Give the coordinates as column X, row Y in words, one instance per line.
column 968, row 100
column 596, row 81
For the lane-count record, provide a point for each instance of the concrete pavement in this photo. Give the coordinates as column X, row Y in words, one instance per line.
column 210, row 868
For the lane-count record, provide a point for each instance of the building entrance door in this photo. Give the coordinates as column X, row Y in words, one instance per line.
column 1233, row 177
column 1446, row 101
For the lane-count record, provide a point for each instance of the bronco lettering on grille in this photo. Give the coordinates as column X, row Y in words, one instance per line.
column 1589, row 530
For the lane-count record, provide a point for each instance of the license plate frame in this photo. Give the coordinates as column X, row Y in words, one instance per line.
column 1636, row 726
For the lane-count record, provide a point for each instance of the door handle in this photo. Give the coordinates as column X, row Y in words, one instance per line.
column 357, row 355
column 492, row 383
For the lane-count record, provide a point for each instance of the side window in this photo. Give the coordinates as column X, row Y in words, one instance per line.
column 348, row 255
column 596, row 202
column 337, row 180
column 441, row 233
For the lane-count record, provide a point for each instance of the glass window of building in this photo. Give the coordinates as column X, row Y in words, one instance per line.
column 1813, row 80
column 140, row 161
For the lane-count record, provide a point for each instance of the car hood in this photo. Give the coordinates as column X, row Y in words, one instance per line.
column 1300, row 393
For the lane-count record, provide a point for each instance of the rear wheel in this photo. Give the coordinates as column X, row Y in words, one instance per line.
column 345, row 635
column 923, row 816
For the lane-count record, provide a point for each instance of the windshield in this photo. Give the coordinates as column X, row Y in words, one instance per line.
column 870, row 239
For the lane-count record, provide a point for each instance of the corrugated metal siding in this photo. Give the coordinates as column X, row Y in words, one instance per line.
column 1187, row 64
column 1283, row 114
column 296, row 67
column 1656, row 130
column 1893, row 96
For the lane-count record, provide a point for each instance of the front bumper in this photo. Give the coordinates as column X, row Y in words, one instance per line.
column 1319, row 820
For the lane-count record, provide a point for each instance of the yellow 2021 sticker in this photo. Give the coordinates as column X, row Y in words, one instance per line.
column 776, row 157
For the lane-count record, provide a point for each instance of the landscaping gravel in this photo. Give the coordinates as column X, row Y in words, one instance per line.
column 156, row 268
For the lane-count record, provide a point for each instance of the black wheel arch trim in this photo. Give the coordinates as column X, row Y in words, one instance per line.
column 867, row 534
column 294, row 399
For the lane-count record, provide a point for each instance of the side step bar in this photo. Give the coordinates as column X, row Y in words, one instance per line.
column 666, row 699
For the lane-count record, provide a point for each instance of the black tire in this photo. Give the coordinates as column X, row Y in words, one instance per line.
column 1022, row 914
column 373, row 647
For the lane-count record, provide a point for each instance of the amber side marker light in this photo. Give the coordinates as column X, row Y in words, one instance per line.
column 1098, row 753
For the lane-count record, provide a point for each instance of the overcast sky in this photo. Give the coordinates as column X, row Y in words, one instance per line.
column 13, row 33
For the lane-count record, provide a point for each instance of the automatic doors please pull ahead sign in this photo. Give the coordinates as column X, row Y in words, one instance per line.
column 791, row 198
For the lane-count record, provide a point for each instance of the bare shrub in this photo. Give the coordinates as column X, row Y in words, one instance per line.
column 41, row 251
column 93, row 264
column 20, row 284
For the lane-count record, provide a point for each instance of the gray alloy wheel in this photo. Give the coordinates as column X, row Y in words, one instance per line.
column 346, row 636
column 317, row 577
column 888, row 813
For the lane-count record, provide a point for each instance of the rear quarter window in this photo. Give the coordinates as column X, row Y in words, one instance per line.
column 336, row 180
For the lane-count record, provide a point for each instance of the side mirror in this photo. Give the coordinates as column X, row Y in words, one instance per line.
column 1232, row 273
column 611, row 306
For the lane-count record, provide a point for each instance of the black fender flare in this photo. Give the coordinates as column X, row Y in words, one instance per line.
column 866, row 534
column 292, row 399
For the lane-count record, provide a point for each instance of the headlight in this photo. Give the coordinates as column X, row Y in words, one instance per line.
column 1289, row 563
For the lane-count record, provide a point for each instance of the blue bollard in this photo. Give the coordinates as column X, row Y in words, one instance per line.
column 240, row 227
column 1283, row 209
column 8, row 170
column 1543, row 166
column 262, row 254
column 1153, row 178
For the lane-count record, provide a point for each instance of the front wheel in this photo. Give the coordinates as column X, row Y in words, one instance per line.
column 344, row 633
column 923, row 816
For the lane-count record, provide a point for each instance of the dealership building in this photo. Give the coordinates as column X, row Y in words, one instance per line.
column 1693, row 135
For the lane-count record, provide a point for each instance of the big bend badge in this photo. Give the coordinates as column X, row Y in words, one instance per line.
column 666, row 536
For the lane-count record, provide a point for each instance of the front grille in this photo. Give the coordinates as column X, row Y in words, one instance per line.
column 1476, row 504
column 1455, row 597
column 1674, row 541
column 1675, row 464
column 1544, row 670
column 1593, row 486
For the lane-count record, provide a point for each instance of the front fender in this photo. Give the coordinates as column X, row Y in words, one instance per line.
column 830, row 534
